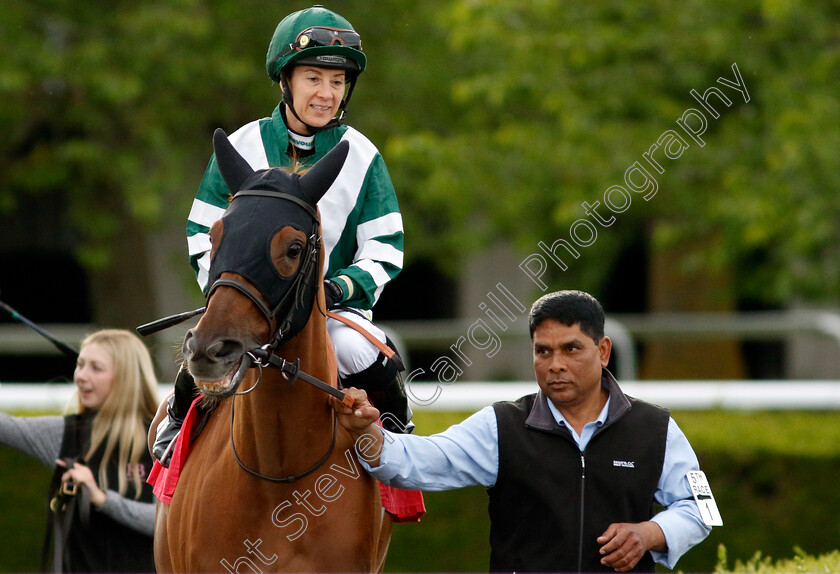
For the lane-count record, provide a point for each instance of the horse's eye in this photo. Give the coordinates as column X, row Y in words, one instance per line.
column 295, row 249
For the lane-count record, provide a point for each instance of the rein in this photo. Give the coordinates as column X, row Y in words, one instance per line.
column 290, row 478
column 263, row 357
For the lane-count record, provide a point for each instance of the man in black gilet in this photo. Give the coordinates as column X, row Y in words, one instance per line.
column 573, row 471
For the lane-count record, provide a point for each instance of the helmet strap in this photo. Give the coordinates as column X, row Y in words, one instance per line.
column 342, row 107
column 290, row 105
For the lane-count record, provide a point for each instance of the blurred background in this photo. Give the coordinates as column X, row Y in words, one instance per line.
column 502, row 123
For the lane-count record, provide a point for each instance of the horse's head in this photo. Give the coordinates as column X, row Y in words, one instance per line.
column 265, row 265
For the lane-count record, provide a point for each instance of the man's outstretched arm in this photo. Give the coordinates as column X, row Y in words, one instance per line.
column 465, row 454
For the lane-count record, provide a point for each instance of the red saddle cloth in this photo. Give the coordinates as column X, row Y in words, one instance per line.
column 402, row 505
column 165, row 479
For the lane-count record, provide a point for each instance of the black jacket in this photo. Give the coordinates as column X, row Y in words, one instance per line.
column 99, row 543
column 551, row 501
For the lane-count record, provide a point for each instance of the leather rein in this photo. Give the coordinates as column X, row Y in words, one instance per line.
column 264, row 357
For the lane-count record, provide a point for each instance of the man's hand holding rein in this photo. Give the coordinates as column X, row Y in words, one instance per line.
column 361, row 421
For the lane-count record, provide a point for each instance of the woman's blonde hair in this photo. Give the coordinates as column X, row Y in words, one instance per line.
column 122, row 421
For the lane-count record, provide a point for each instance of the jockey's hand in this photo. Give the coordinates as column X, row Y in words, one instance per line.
column 360, row 416
column 333, row 294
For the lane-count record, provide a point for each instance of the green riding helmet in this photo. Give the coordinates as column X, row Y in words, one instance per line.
column 317, row 37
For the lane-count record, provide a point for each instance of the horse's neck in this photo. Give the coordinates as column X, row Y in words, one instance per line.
column 280, row 424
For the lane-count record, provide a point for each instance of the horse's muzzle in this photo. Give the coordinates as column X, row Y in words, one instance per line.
column 217, row 367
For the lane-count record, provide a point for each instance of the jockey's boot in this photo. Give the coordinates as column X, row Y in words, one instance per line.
column 382, row 381
column 176, row 409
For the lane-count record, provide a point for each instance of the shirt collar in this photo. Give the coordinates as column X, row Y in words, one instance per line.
column 561, row 420
column 301, row 142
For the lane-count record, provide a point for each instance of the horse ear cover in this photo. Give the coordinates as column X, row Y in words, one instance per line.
column 233, row 167
column 315, row 182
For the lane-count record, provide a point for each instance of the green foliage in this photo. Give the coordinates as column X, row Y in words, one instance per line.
column 550, row 102
column 776, row 433
column 109, row 108
column 801, row 562
column 497, row 119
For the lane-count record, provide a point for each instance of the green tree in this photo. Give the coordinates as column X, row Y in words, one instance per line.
column 497, row 119
column 553, row 101
column 108, row 108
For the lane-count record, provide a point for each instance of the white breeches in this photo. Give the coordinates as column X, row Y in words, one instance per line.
column 353, row 353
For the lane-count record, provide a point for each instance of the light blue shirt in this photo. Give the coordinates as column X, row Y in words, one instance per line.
column 467, row 454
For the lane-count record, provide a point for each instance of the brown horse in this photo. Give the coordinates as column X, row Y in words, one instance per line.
column 272, row 482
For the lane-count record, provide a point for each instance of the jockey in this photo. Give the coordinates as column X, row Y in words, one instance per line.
column 315, row 56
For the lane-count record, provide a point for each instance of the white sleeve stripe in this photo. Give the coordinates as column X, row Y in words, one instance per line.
column 204, row 213
column 386, row 225
column 203, row 271
column 248, row 142
column 363, row 146
column 379, row 251
column 375, row 270
column 199, row 243
column 340, row 199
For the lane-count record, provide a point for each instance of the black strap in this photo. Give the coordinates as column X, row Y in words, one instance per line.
column 62, row 508
column 61, row 530
column 292, row 369
column 279, row 195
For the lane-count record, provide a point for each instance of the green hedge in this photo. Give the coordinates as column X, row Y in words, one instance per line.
column 23, row 511
column 801, row 562
column 773, row 475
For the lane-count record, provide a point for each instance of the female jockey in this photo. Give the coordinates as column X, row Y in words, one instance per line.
column 315, row 56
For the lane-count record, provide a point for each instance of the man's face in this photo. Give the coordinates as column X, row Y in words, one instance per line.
column 568, row 363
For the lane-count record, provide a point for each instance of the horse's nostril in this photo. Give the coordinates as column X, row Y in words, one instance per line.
column 220, row 350
column 188, row 346
column 224, row 350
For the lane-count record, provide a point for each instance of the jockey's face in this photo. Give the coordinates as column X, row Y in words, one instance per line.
column 93, row 376
column 316, row 93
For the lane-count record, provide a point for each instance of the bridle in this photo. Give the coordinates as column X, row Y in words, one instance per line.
column 284, row 319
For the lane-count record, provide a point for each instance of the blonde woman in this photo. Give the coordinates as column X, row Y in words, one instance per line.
column 102, row 510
